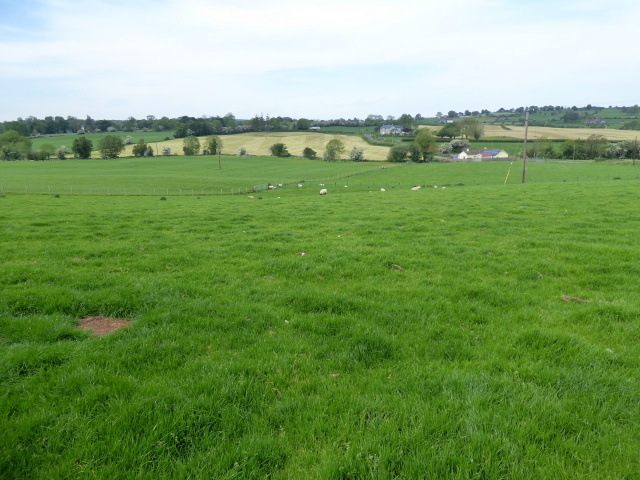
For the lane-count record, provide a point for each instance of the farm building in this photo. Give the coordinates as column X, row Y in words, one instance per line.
column 480, row 154
column 390, row 130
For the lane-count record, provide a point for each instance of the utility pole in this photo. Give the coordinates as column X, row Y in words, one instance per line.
column 524, row 151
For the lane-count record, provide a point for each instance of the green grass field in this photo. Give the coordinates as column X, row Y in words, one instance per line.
column 478, row 331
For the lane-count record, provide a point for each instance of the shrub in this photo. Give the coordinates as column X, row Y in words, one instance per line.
column 356, row 155
column 279, row 150
column 166, row 151
column 140, row 148
column 398, row 153
column 62, row 153
column 241, row 152
column 309, row 153
column 129, row 140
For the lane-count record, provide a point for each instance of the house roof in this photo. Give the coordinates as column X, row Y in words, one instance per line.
column 390, row 126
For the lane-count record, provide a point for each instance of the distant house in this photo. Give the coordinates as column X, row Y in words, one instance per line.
column 314, row 128
column 480, row 154
column 390, row 130
column 596, row 121
column 459, row 156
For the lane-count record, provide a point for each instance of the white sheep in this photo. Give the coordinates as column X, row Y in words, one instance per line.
column 299, row 185
column 272, row 187
column 323, row 191
column 416, row 188
column 382, row 190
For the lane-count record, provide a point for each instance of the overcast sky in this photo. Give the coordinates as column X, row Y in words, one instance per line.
column 316, row 59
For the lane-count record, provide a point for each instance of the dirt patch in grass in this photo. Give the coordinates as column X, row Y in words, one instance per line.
column 100, row 326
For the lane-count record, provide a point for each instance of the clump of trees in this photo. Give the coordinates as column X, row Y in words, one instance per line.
column 279, row 150
column 14, row 146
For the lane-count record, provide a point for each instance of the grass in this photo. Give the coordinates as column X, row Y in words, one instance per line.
column 169, row 175
column 422, row 333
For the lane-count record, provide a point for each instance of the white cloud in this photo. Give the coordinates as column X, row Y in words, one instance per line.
column 194, row 56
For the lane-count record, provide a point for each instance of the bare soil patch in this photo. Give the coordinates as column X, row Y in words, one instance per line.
column 100, row 326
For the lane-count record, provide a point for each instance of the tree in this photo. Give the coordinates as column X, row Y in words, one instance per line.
column 82, row 147
column 62, row 153
column 398, row 153
column 303, row 124
column 426, row 142
column 110, row 146
column 450, row 130
column 191, row 145
column 180, row 131
column 452, row 114
column 595, row 145
column 471, row 127
column 14, row 146
column 213, row 145
column 571, row 117
column 48, row 149
column 140, row 148
column 458, row 146
column 333, row 150
column 279, row 150
column 241, row 151
column 406, row 121
column 309, row 153
column 166, row 151
column 356, row 155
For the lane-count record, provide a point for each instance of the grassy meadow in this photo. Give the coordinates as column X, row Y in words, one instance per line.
column 479, row 331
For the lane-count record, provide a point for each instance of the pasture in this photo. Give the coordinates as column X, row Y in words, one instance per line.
column 478, row 331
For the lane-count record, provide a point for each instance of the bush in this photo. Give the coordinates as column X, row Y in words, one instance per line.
column 398, row 153
column 356, row 155
column 279, row 150
column 166, row 151
column 309, row 153
column 241, row 152
column 140, row 148
column 62, row 153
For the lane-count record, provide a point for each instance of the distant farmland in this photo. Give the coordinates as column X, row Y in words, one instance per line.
column 259, row 143
column 553, row 133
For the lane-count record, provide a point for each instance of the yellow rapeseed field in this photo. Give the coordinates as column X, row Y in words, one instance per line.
column 296, row 142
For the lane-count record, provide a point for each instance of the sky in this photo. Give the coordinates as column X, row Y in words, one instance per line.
column 313, row 59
